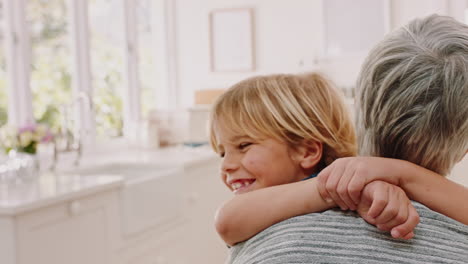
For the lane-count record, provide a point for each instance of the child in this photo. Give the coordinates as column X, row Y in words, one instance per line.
column 275, row 131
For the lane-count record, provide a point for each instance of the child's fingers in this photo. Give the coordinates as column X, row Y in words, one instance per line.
column 355, row 187
column 332, row 184
column 406, row 230
column 391, row 210
column 322, row 179
column 399, row 219
column 379, row 203
column 342, row 188
column 408, row 236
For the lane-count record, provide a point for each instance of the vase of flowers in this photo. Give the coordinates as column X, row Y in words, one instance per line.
column 24, row 139
column 21, row 145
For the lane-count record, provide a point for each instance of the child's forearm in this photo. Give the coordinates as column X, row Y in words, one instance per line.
column 435, row 191
column 247, row 214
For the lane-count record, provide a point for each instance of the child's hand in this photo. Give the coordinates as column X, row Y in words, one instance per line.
column 344, row 179
column 387, row 207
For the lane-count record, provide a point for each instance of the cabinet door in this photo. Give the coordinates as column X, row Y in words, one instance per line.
column 74, row 232
column 191, row 238
column 205, row 192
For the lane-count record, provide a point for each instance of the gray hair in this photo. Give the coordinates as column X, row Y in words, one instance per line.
column 413, row 95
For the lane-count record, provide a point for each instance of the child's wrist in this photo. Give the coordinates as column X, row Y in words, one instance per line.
column 407, row 174
column 327, row 201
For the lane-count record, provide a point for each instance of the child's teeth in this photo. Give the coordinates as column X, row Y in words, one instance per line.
column 240, row 184
column 236, row 185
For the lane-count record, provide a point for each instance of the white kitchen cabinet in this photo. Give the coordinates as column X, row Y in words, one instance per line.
column 76, row 231
column 146, row 215
column 190, row 238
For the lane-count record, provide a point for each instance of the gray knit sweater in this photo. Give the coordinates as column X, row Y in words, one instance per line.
column 334, row 236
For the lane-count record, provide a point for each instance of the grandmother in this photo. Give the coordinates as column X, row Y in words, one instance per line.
column 413, row 105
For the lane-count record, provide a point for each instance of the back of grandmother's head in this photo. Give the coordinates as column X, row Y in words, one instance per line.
column 413, row 95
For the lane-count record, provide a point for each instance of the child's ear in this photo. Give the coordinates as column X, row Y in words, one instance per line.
column 309, row 154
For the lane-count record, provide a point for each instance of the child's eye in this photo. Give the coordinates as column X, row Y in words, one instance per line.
column 221, row 154
column 244, row 145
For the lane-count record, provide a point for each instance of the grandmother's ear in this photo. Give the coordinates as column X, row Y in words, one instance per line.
column 309, row 154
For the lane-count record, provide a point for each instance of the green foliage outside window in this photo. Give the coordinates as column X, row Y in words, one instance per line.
column 106, row 84
column 3, row 95
column 51, row 78
column 50, row 68
column 107, row 64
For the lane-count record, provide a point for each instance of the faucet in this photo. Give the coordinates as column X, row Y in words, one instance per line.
column 70, row 136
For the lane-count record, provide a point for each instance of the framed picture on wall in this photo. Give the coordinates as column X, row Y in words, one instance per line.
column 232, row 40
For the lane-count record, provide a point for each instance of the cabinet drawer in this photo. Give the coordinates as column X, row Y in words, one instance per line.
column 76, row 231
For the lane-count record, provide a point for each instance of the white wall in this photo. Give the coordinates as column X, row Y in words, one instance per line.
column 287, row 35
column 403, row 11
column 288, row 38
column 460, row 172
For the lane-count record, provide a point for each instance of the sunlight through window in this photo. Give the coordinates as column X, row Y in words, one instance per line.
column 107, row 36
column 146, row 48
column 3, row 87
column 50, row 60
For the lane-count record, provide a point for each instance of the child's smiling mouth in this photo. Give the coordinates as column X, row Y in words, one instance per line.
column 241, row 185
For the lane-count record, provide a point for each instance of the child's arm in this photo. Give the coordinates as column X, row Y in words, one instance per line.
column 247, row 214
column 344, row 179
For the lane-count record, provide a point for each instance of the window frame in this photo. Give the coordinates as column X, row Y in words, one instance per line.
column 18, row 57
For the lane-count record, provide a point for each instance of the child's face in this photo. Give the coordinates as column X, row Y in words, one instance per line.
column 254, row 164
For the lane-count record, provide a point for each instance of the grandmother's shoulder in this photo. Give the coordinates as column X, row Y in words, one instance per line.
column 432, row 221
column 311, row 237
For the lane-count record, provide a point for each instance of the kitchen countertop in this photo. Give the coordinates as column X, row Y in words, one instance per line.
column 172, row 156
column 53, row 187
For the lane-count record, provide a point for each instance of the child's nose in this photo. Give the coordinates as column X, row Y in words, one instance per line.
column 230, row 163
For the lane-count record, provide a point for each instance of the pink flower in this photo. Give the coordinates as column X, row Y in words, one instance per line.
column 47, row 138
column 27, row 128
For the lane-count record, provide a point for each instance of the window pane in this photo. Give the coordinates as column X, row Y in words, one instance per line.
column 3, row 87
column 50, row 59
column 145, row 55
column 106, row 29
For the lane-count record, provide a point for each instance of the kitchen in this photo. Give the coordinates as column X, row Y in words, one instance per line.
column 125, row 88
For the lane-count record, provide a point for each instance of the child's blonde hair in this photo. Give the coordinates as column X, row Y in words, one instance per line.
column 286, row 107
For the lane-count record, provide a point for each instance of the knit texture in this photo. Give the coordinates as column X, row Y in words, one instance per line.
column 335, row 236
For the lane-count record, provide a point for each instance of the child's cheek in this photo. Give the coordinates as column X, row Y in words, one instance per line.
column 256, row 163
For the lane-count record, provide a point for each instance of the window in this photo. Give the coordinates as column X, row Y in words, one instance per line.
column 54, row 30
column 50, row 59
column 106, row 41
column 145, row 55
column 3, row 87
